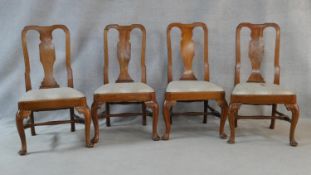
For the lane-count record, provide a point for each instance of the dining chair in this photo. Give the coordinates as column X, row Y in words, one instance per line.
column 256, row 91
column 124, row 90
column 188, row 88
column 50, row 95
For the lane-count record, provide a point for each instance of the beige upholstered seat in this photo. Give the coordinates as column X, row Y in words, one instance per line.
column 260, row 89
column 51, row 94
column 192, row 86
column 113, row 88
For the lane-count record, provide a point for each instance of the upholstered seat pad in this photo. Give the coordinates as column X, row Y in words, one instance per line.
column 193, row 86
column 116, row 88
column 260, row 89
column 51, row 94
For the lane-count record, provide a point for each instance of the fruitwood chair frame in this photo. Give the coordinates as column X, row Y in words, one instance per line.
column 172, row 97
column 124, row 56
column 47, row 58
column 256, row 55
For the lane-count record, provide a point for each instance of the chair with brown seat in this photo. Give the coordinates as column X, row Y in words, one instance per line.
column 256, row 91
column 188, row 88
column 50, row 96
column 124, row 90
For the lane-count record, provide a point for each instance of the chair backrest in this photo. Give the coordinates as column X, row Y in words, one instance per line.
column 47, row 55
column 124, row 52
column 187, row 50
column 256, row 51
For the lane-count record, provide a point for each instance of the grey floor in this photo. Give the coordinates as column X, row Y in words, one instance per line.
column 126, row 148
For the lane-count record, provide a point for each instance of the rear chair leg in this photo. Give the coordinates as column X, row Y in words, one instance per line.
column 171, row 115
column 144, row 121
column 72, row 118
column 107, row 115
column 272, row 124
column 32, row 122
column 205, row 112
column 235, row 122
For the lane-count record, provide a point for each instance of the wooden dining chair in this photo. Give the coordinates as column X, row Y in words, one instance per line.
column 188, row 88
column 256, row 91
column 125, row 90
column 50, row 96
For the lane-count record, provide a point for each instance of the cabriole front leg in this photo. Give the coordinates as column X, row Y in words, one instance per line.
column 155, row 112
column 20, row 115
column 224, row 112
column 87, row 117
column 94, row 115
column 233, row 109
column 166, row 114
column 295, row 116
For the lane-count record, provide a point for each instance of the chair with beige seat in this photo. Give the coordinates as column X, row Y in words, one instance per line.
column 124, row 90
column 50, row 96
column 188, row 88
column 256, row 91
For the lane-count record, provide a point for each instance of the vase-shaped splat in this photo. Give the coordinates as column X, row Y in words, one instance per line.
column 256, row 53
column 124, row 55
column 187, row 53
column 47, row 59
